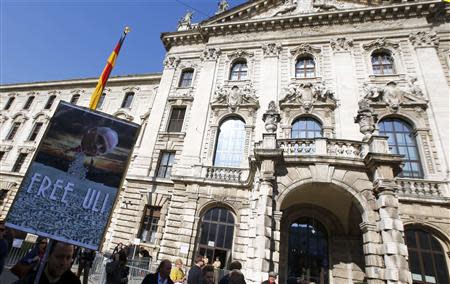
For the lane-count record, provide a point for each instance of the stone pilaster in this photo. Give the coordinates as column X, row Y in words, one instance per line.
column 199, row 114
column 393, row 247
column 372, row 246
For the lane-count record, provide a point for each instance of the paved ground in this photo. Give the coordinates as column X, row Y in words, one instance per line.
column 7, row 277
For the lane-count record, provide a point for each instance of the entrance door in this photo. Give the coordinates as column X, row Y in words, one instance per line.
column 308, row 251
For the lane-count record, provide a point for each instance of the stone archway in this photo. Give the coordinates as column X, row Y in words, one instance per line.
column 339, row 213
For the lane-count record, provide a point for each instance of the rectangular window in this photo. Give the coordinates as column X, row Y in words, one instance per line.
column 35, row 132
column 165, row 164
column 27, row 105
column 74, row 99
column 13, row 131
column 149, row 225
column 176, row 119
column 50, row 101
column 186, row 79
column 100, row 101
column 19, row 162
column 9, row 103
column 2, row 154
column 128, row 100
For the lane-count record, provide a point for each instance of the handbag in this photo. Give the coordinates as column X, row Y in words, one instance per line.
column 21, row 270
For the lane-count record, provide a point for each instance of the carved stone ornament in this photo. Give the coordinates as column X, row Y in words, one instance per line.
column 210, row 54
column 171, row 62
column 185, row 23
column 3, row 118
column 305, row 48
column 341, row 44
column 424, row 39
column 380, row 43
column 366, row 118
column 26, row 149
column 234, row 97
column 222, row 6
column 271, row 49
column 395, row 96
column 271, row 118
column 240, row 53
column 5, row 148
column 307, row 94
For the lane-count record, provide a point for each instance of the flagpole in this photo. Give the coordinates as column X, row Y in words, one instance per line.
column 106, row 71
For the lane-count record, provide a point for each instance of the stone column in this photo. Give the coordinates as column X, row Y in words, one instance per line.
column 373, row 259
column 436, row 90
column 277, row 215
column 143, row 162
column 346, row 89
column 193, row 141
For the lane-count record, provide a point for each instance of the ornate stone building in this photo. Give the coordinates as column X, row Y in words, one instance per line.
column 310, row 138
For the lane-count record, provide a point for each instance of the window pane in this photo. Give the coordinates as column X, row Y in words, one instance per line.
column 230, row 143
column 382, row 63
column 176, row 120
column 186, row 78
column 128, row 100
column 306, row 128
column 165, row 164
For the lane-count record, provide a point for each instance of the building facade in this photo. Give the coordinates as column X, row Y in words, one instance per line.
column 310, row 138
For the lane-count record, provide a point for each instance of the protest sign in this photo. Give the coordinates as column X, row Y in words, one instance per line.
column 72, row 183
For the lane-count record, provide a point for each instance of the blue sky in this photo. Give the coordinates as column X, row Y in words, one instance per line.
column 62, row 39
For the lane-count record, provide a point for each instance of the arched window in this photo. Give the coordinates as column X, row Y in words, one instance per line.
column 305, row 67
column 426, row 258
column 239, row 71
column 186, row 78
column 216, row 235
column 401, row 141
column 308, row 250
column 382, row 63
column 230, row 143
column 306, row 127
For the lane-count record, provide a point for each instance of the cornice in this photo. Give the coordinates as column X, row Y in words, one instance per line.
column 204, row 30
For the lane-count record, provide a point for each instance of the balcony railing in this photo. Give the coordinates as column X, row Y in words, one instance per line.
column 420, row 188
column 323, row 146
column 225, row 174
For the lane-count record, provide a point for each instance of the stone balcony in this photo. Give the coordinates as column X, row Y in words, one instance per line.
column 422, row 190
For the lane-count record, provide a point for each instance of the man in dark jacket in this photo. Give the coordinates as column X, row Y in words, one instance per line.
column 57, row 269
column 117, row 271
column 235, row 265
column 272, row 278
column 195, row 275
column 162, row 274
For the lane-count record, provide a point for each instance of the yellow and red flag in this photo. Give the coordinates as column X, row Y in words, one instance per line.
column 106, row 71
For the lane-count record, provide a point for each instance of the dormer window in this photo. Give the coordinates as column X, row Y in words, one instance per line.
column 382, row 63
column 239, row 71
column 127, row 100
column 305, row 67
column 186, row 78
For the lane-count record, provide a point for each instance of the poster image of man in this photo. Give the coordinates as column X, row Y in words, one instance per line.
column 71, row 185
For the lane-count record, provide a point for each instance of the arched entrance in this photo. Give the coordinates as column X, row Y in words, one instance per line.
column 320, row 237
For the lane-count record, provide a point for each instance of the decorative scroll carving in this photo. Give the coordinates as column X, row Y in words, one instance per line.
column 341, row 44
column 271, row 118
column 366, row 119
column 235, row 97
column 307, row 94
column 240, row 53
column 380, row 43
column 26, row 149
column 393, row 95
column 424, row 39
column 210, row 54
column 171, row 62
column 305, row 48
column 185, row 23
column 271, row 49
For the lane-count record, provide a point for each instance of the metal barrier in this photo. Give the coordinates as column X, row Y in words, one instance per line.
column 15, row 254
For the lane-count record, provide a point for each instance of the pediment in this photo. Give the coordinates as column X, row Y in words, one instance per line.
column 266, row 9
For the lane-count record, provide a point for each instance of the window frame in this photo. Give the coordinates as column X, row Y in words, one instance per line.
column 35, row 131
column 306, row 119
column 9, row 103
column 306, row 69
column 397, row 146
column 380, row 55
column 148, row 223
column 28, row 103
column 75, row 98
column 242, row 70
column 19, row 162
column 13, row 131
column 232, row 137
column 167, row 168
column 126, row 102
column 50, row 101
column 186, row 83
column 172, row 125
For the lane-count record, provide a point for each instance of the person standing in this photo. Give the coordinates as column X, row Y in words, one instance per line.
column 208, row 274
column 162, row 275
column 177, row 273
column 272, row 278
column 235, row 265
column 57, row 269
column 116, row 269
column 87, row 257
column 195, row 275
column 3, row 246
